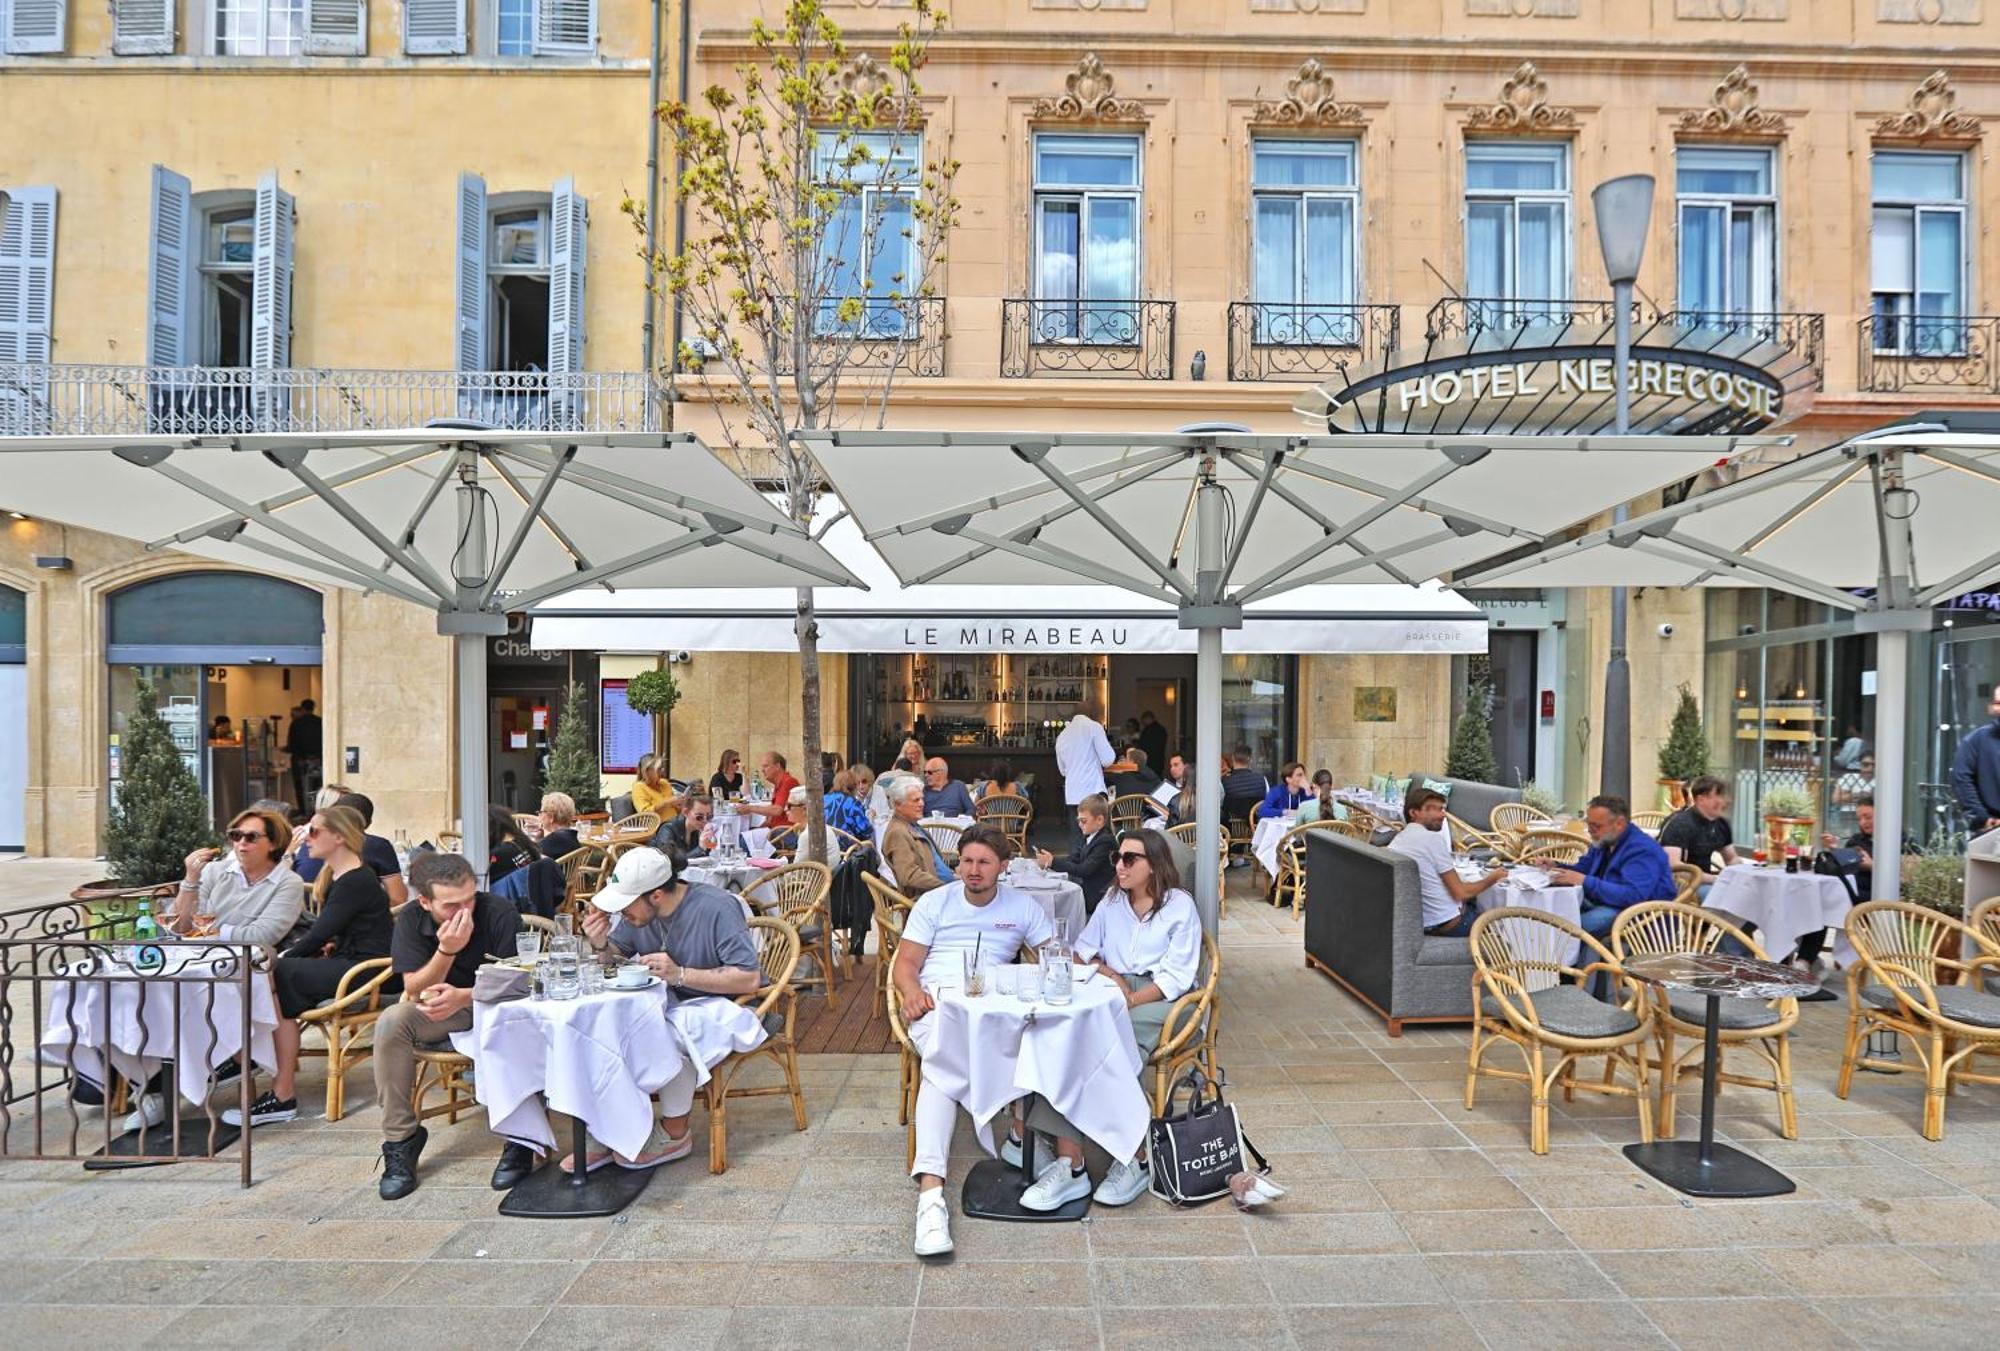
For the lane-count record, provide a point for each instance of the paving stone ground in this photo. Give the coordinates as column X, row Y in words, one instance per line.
column 1411, row 1221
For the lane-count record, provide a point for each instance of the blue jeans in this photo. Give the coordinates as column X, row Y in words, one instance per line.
column 1459, row 928
column 1598, row 919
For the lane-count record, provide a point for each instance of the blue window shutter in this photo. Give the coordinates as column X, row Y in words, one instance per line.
column 170, row 287
column 471, row 277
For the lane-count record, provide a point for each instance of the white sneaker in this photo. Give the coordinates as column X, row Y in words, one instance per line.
column 933, row 1223
column 1123, row 1184
column 1010, row 1153
column 1055, row 1187
column 152, row 1110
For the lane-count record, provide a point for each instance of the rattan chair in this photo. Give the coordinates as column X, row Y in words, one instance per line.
column 1650, row 822
column 1519, row 957
column 892, row 908
column 1662, row 928
column 347, row 1022
column 1550, row 846
column 1515, row 817
column 944, row 834
column 778, row 959
column 1985, row 921
column 1687, row 885
column 639, row 827
column 1914, row 979
column 910, row 1075
column 451, row 841
column 1188, row 1035
column 1012, row 813
column 796, row 893
column 1290, row 886
column 442, row 1069
column 1129, row 811
column 583, row 871
column 1465, row 839
column 1186, row 833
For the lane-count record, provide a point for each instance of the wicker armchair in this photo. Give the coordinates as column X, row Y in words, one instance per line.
column 1985, row 921
column 638, row 827
column 892, row 908
column 1188, row 1035
column 346, row 1021
column 910, row 1077
column 1550, row 846
column 1661, row 928
column 1129, row 811
column 1012, row 813
column 442, row 1069
column 583, row 873
column 1906, row 982
column 778, row 959
column 944, row 834
column 796, row 893
column 1519, row 957
column 1511, row 818
column 1290, row 886
column 1687, row 883
column 1465, row 838
column 1185, row 833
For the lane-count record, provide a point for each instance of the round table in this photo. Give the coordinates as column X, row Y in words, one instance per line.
column 1520, row 889
column 734, row 875
column 1702, row 1167
column 1782, row 905
column 990, row 1051
column 1058, row 895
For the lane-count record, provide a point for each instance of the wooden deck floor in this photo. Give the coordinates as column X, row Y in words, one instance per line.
column 849, row 1023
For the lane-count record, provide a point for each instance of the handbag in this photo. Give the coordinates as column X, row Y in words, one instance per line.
column 1844, row 864
column 493, row 984
column 1196, row 1150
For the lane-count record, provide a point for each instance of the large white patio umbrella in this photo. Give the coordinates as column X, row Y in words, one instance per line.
column 465, row 521
column 1210, row 519
column 1907, row 511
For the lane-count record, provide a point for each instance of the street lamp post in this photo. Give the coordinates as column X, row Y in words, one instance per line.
column 1624, row 210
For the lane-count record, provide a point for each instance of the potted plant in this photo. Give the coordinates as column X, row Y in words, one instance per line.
column 655, row 693
column 572, row 764
column 1541, row 799
column 1684, row 757
column 1788, row 817
column 1935, row 878
column 1471, row 754
column 158, row 816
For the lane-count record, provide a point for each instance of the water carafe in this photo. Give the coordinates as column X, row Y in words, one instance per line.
column 1058, row 969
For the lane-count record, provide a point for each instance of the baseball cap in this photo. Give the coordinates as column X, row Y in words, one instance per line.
column 796, row 798
column 638, row 872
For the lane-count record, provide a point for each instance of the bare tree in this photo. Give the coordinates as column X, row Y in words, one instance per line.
column 808, row 281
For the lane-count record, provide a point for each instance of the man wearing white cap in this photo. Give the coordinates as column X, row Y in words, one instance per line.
column 693, row 937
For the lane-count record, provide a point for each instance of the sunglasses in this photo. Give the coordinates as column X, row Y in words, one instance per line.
column 312, row 832
column 1134, row 856
column 245, row 836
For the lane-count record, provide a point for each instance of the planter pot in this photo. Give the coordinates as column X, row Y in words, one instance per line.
column 1780, row 831
column 105, row 889
column 1675, row 791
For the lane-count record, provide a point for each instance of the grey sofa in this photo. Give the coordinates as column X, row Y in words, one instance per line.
column 1469, row 800
column 1365, row 930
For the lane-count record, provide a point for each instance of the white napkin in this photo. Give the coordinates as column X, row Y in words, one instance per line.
column 1530, row 879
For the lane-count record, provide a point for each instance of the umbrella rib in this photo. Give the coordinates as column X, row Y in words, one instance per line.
column 438, row 480
column 1791, row 580
column 1342, row 479
column 531, row 512
column 548, row 522
column 1949, row 586
column 367, row 581
column 1151, row 463
column 1958, row 461
column 1095, row 510
column 1273, row 461
column 522, row 600
column 348, row 512
column 605, row 478
column 1348, row 531
column 1050, row 556
column 1797, row 510
column 297, row 495
column 1377, row 559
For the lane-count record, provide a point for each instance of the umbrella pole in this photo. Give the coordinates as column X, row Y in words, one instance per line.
column 1892, row 697
column 1207, row 766
column 472, row 773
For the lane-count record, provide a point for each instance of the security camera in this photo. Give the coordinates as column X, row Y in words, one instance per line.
column 1666, row 630
column 680, row 658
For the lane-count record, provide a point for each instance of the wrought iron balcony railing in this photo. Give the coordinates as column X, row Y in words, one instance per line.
column 1087, row 337
column 85, row 400
column 1804, row 334
column 877, row 333
column 1471, row 315
column 1270, row 341
column 1944, row 351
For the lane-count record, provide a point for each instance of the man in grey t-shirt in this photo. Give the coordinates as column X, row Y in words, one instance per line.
column 692, row 937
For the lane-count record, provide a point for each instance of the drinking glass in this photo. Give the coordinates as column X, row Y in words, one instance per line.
column 975, row 975
column 528, row 944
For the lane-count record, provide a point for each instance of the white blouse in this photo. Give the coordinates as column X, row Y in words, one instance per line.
column 1166, row 943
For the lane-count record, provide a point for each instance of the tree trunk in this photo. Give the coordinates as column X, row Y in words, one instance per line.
column 807, row 628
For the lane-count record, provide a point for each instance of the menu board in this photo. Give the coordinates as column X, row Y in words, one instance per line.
column 623, row 736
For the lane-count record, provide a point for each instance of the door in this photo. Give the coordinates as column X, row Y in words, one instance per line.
column 13, row 757
column 1512, row 662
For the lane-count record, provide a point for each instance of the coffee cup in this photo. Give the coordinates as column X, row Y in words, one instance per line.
column 632, row 976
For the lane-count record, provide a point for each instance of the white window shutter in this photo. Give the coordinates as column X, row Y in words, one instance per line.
column 434, row 27
column 34, row 27
column 142, row 27
column 565, row 27
column 170, row 287
column 336, row 27
column 271, row 273
column 471, row 250
column 569, row 220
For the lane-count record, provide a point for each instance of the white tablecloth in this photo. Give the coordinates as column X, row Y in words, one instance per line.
column 730, row 877
column 599, row 1058
column 1782, row 905
column 1562, row 902
column 128, row 1019
column 1080, row 1057
column 1059, row 896
column 1264, row 839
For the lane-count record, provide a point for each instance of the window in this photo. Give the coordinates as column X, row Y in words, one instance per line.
column 260, row 27
column 228, row 293
column 538, row 27
column 1728, row 211
column 1304, row 204
column 1086, row 224
column 1516, row 230
column 514, row 28
column 220, row 288
column 869, row 250
column 520, row 300
column 518, row 273
column 1917, row 253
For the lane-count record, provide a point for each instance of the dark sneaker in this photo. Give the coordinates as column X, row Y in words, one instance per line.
column 516, row 1162
column 265, row 1110
column 399, row 1165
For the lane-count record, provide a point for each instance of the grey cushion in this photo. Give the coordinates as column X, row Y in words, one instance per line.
column 1954, row 1001
column 1570, row 1011
column 1444, row 952
column 1740, row 1014
column 774, row 1021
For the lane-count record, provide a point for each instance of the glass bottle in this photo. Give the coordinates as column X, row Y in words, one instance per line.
column 1058, row 970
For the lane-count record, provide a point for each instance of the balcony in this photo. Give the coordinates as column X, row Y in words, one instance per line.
column 1305, row 342
column 1087, row 337
column 871, row 333
column 1949, row 352
column 82, row 400
column 1472, row 315
column 1802, row 334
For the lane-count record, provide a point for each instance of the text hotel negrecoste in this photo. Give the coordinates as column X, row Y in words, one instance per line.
column 1650, row 376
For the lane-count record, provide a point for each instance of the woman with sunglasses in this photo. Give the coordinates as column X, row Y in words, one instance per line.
column 251, row 895
column 727, row 781
column 352, row 926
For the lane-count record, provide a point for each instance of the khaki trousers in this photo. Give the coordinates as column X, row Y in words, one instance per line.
column 400, row 1032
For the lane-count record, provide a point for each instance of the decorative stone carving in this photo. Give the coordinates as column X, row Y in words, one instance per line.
column 1088, row 4
column 1526, row 9
column 1929, row 11
column 1752, row 11
column 1309, row 102
column 1088, row 96
column 1524, row 106
column 1932, row 115
column 1733, row 111
column 1308, row 6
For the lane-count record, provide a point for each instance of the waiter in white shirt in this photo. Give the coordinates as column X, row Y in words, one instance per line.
column 1082, row 754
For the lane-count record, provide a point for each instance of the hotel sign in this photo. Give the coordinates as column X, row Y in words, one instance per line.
column 1746, row 392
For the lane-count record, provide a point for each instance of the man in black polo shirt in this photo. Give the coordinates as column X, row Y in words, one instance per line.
column 1699, row 832
column 437, row 945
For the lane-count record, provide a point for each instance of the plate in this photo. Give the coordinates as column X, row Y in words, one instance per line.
column 613, row 987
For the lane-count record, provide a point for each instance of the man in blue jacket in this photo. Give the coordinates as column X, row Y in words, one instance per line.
column 1975, row 773
column 1623, row 868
